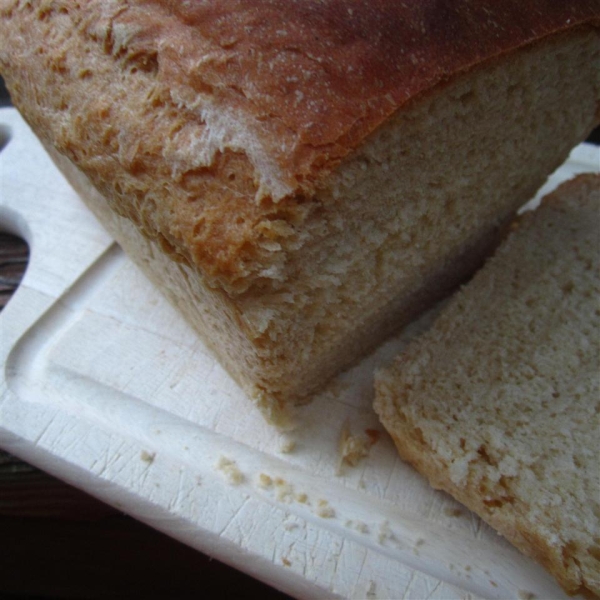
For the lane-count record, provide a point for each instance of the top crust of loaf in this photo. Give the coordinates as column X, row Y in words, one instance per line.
column 298, row 85
column 212, row 124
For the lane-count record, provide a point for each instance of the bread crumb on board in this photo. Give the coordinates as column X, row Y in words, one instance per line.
column 354, row 447
column 287, row 446
column 147, row 456
column 264, row 481
column 385, row 532
column 525, row 595
column 230, row 470
column 285, row 490
column 359, row 526
column 324, row 510
column 302, row 498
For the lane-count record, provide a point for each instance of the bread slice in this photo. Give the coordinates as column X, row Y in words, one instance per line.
column 499, row 402
column 302, row 178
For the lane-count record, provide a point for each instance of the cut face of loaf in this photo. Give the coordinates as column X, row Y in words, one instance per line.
column 300, row 205
column 499, row 403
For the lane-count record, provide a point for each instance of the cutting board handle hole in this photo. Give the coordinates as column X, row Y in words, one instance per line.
column 14, row 258
column 5, row 136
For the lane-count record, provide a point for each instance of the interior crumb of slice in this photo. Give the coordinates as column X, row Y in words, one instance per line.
column 499, row 402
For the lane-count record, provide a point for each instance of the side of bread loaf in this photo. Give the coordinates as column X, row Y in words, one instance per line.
column 499, row 402
column 302, row 178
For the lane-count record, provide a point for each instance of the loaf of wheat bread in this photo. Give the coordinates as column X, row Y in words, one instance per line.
column 301, row 178
column 499, row 402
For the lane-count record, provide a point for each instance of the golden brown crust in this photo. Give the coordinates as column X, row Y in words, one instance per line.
column 513, row 526
column 211, row 124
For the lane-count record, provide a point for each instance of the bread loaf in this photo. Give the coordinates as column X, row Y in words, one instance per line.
column 499, row 402
column 300, row 178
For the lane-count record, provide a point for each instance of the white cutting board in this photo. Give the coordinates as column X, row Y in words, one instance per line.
column 105, row 387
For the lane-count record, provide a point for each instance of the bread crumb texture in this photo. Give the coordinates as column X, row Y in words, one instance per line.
column 354, row 448
column 264, row 481
column 287, row 446
column 284, row 490
column 386, row 533
column 499, row 402
column 324, row 510
column 357, row 525
column 230, row 470
column 147, row 456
